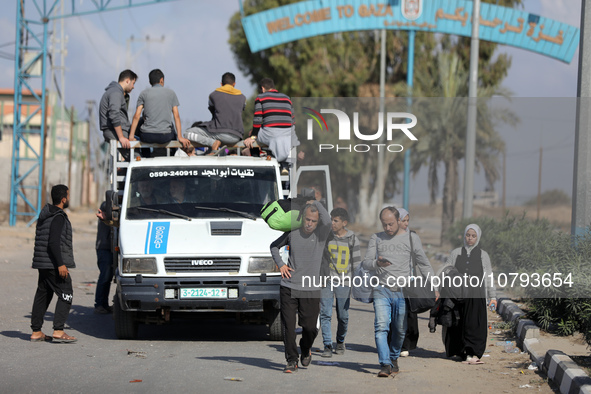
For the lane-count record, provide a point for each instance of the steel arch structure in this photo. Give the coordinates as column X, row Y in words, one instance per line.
column 30, row 66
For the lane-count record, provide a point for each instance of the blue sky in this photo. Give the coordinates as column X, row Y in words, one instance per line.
column 195, row 53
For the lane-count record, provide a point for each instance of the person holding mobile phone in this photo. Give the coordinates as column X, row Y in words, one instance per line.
column 388, row 254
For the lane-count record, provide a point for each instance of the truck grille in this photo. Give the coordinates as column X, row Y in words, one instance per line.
column 226, row 228
column 202, row 264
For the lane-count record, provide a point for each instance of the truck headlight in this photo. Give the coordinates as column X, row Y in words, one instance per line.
column 259, row 265
column 139, row 266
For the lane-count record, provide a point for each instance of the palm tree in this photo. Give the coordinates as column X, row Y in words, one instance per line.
column 442, row 110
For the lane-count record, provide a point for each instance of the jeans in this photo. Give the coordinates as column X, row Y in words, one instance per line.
column 207, row 138
column 342, row 294
column 390, row 310
column 104, row 261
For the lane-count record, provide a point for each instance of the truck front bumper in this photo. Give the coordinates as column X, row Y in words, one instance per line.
column 244, row 294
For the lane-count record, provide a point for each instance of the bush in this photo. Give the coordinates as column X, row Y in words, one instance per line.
column 551, row 197
column 519, row 245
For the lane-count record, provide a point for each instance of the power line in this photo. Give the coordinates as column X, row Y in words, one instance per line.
column 7, row 44
column 96, row 50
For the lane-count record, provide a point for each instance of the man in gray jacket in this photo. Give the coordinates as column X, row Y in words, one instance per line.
column 113, row 119
column 388, row 255
column 53, row 256
column 298, row 296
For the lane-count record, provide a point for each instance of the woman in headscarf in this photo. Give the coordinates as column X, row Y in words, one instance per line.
column 468, row 338
column 412, row 320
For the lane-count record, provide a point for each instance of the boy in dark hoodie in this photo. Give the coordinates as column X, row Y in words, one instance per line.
column 344, row 254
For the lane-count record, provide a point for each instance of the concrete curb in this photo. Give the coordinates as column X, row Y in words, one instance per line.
column 555, row 364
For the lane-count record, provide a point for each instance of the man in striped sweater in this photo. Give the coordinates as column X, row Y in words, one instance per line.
column 273, row 123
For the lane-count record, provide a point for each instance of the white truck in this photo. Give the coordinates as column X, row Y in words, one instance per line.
column 188, row 237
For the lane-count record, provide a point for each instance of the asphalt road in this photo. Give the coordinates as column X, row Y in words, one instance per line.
column 201, row 356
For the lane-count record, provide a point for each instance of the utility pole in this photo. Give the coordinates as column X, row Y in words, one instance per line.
column 539, row 184
column 472, row 112
column 90, row 104
column 128, row 57
column 381, row 159
column 504, row 179
column 581, row 208
column 70, row 150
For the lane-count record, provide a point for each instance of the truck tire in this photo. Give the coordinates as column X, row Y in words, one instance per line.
column 125, row 324
column 275, row 326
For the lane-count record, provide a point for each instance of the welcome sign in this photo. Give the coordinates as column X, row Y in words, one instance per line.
column 498, row 24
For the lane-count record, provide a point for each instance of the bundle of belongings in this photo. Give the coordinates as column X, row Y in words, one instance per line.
column 286, row 214
column 445, row 312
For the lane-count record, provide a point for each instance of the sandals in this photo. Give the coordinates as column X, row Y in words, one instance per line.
column 64, row 338
column 473, row 361
column 44, row 338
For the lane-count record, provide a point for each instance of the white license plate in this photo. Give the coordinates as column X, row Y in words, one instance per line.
column 204, row 292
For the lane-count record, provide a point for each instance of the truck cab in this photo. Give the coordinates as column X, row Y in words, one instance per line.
column 190, row 239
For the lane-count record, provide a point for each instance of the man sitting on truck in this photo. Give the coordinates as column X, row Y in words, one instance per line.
column 273, row 122
column 159, row 105
column 226, row 104
column 297, row 295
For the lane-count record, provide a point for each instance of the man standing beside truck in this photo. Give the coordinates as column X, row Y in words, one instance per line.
column 306, row 246
column 53, row 257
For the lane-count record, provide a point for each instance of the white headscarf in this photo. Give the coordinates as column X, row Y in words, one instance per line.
column 403, row 213
column 478, row 232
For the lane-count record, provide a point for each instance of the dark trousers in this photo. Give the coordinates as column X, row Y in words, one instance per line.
column 104, row 261
column 49, row 283
column 156, row 138
column 307, row 309
column 412, row 332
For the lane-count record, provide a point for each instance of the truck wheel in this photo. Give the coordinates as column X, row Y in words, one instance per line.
column 125, row 324
column 275, row 326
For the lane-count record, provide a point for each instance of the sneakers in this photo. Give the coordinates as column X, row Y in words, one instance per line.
column 395, row 367
column 101, row 310
column 327, row 351
column 404, row 353
column 340, row 348
column 306, row 360
column 385, row 371
column 291, row 367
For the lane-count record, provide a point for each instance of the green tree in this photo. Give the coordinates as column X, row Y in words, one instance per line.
column 443, row 126
column 341, row 65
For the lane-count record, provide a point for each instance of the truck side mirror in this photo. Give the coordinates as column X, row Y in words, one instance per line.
column 112, row 200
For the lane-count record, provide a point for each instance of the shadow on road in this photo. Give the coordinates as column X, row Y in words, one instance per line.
column 84, row 320
column 16, row 334
column 252, row 361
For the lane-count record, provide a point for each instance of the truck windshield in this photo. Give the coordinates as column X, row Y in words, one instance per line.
column 187, row 190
